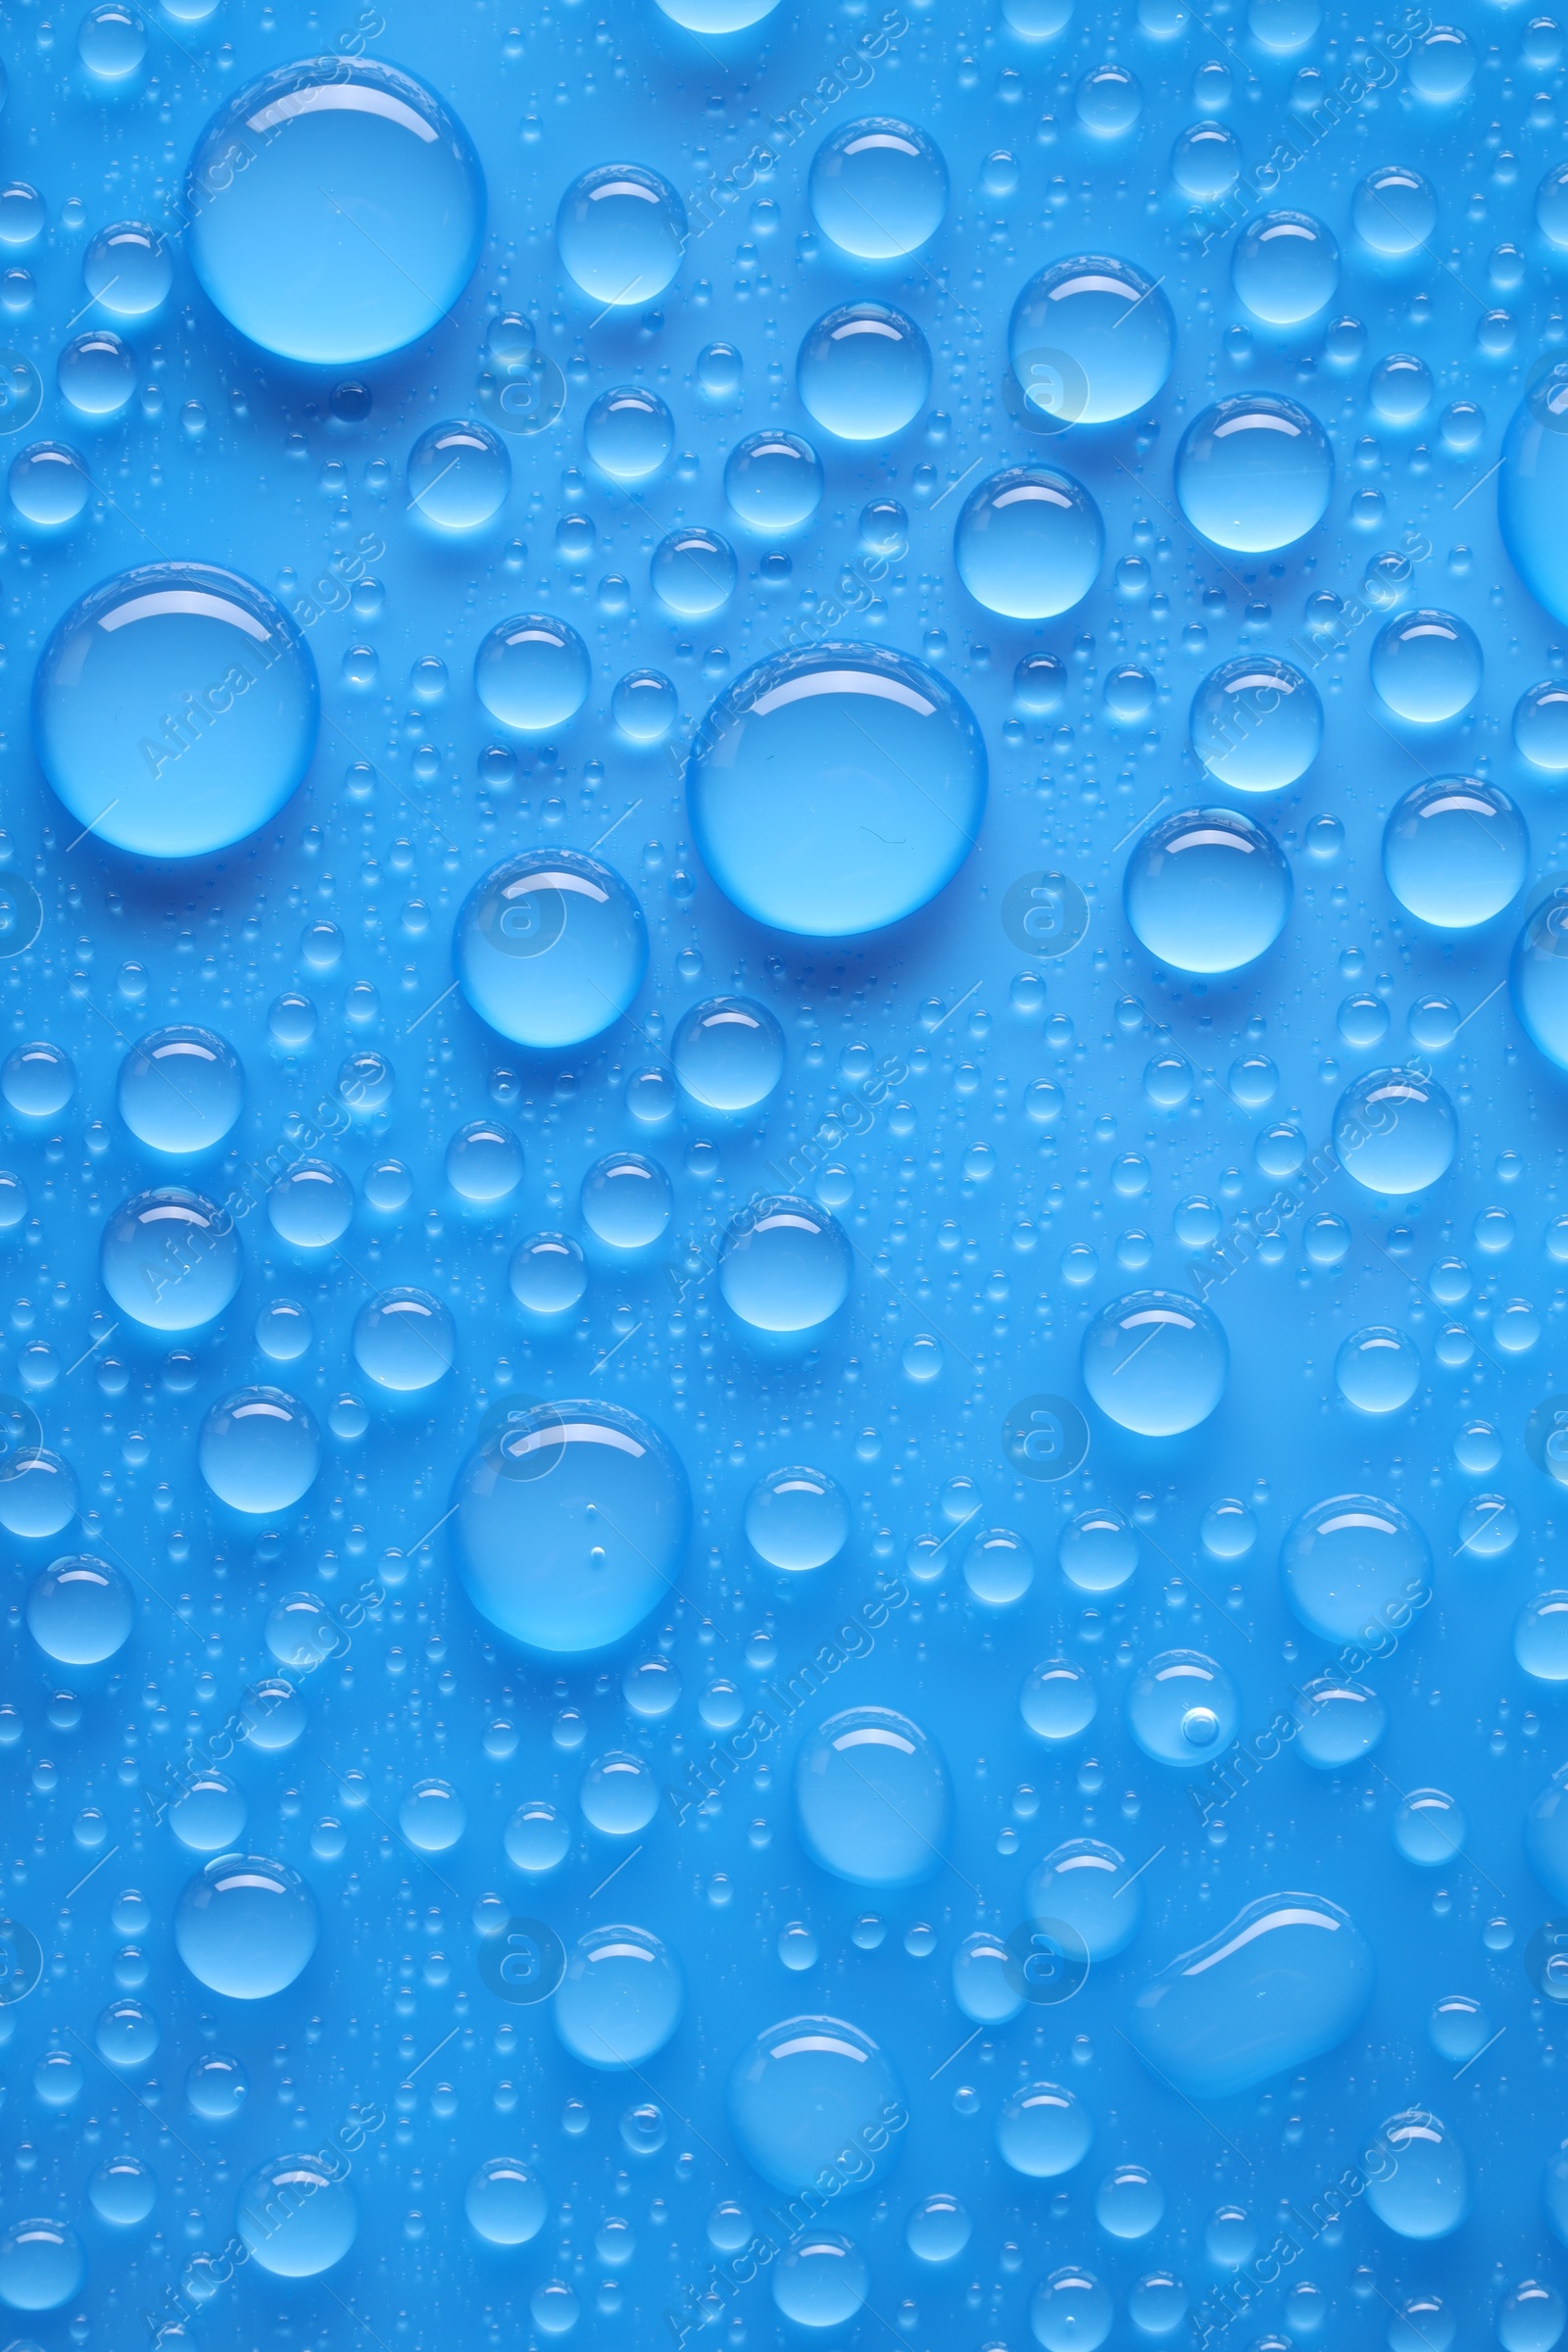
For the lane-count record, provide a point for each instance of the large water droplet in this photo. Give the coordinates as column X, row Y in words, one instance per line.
column 1155, row 1362
column 1284, row 1981
column 1207, row 890
column 1394, row 1131
column 550, row 948
column 246, row 1927
column 1255, row 472
column 1091, row 339
column 1028, row 543
column 872, row 1799
column 620, row 1998
column 1256, row 723
column 298, row 2214
column 878, row 188
column 1354, row 1568
column 171, row 1260
column 621, row 231
column 863, row 372
column 1455, row 850
column 813, row 2092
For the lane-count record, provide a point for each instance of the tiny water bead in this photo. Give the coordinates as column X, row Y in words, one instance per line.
column 1427, row 666
column 1396, row 1131
column 1091, row 339
column 246, row 1927
column 1183, row 1709
column 547, row 1274
column 728, row 1053
column 174, row 710
column 1255, row 472
column 1043, row 2131
column 628, row 433
column 336, row 210
column 872, row 1798
column 878, row 188
column 805, row 2089
column 863, row 372
column 626, row 1201
column 1155, row 1362
column 180, row 1090
column 171, row 1260
column 1378, row 1370
column 620, row 1998
column 784, row 1265
column 459, row 476
column 796, row 1519
column 693, row 573
column 550, row 948
column 773, row 483
column 886, row 789
column 1029, row 543
column 572, row 1522
column 621, row 232
column 1256, row 723
column 532, row 674
column 1207, row 890
column 404, row 1340
column 1355, row 1569
column 1285, row 267
column 258, row 1451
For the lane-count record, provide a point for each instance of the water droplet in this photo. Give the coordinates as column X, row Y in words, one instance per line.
column 550, row 948
column 96, row 374
column 773, row 483
column 821, row 2279
column 171, row 1260
column 878, row 188
column 796, row 1519
column 1353, row 1568
column 532, row 674
column 807, row 2089
column 621, row 231
column 298, row 2214
column 1394, row 1131
column 693, row 573
column 80, row 1610
column 628, row 433
column 1155, row 1362
column 459, row 476
column 620, row 1998
column 1029, row 541
column 872, row 1799
column 180, row 1090
column 1043, row 2131
column 1255, row 472
column 863, row 372
column 246, row 1927
column 1430, row 1829
column 1285, row 267
column 784, row 1265
column 1090, row 339
column 1284, row 1982
column 128, row 269
column 1426, row 2192
column 258, row 1451
column 1256, row 723
column 1378, row 1370
column 1427, row 666
column 1090, row 1887
column 1207, row 890
column 1338, row 1722
column 505, row 2202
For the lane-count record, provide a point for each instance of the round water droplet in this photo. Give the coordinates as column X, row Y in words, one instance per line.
column 1028, row 543
column 1129, row 2202
column 41, row 2265
column 484, row 1162
column 128, row 269
column 1098, row 1550
column 432, row 1816
column 986, row 1987
column 804, row 2091
column 1400, row 388
column 619, row 1795
column 784, row 1265
column 626, row 1201
column 1207, row 890
column 174, row 710
column 336, row 210
column 621, row 232
column 208, row 1816
column 1456, row 852
column 1155, row 1362
column 1255, row 472
column 1541, row 1637
column 878, row 188
column 1427, row 666
column 1256, row 723
column 38, row 1493
column 938, row 2228
column 1354, row 1568
column 180, row 1090
column 80, row 1610
column 629, row 432
column 506, row 2202
column 796, row 1519
column 863, row 372
column 644, row 705
column 1540, row 726
column 1394, row 1131
column 246, row 1927
column 999, row 1568
column 693, row 573
column 886, row 787
column 311, row 1205
column 1285, row 267
column 404, row 1340
column 1206, row 162
column 773, row 483
column 258, row 1451
column 1425, row 2193
column 1534, row 476
column 1183, row 1709
column 620, row 1998
column 122, row 2192
column 550, row 948
column 537, row 1840
column 49, row 485
column 1430, row 1829
column 1058, row 1701
column 298, row 2214
column 572, row 1522
column 872, row 1798
column 171, row 1260
column 96, row 374
column 532, row 674
column 1338, row 1722
column 547, row 1274
column 459, row 476
column 821, row 2279
column 1393, row 211
column 38, row 1079
column 1089, row 1887
column 1043, row 2131
column 1378, row 1370
column 1090, row 339
column 728, row 1053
